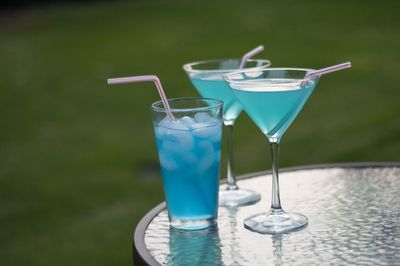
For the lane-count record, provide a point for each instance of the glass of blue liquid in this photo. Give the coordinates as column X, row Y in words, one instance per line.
column 206, row 76
column 189, row 151
column 273, row 98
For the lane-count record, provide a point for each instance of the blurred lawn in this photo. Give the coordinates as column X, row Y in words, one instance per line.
column 78, row 163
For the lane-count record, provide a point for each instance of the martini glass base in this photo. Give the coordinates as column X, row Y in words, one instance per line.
column 275, row 222
column 237, row 197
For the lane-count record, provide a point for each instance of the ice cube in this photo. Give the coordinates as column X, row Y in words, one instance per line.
column 170, row 147
column 202, row 117
column 177, row 125
column 201, row 130
column 213, row 121
column 206, row 148
column 199, row 125
column 187, row 121
column 167, row 162
column 209, row 131
column 181, row 139
column 175, row 131
column 172, row 124
column 207, row 156
column 161, row 126
column 190, row 158
column 164, row 122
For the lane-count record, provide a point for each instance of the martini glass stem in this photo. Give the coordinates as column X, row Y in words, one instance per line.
column 276, row 200
column 231, row 179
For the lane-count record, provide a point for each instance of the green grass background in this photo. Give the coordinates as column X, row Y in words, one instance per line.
column 78, row 162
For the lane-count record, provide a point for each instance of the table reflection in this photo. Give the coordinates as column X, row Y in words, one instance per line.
column 200, row 247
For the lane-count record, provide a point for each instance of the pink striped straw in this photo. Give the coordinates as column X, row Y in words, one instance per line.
column 250, row 54
column 323, row 71
column 151, row 78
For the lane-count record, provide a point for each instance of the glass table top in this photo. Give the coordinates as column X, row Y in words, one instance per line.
column 353, row 218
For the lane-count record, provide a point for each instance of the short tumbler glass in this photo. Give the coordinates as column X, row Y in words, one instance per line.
column 189, row 151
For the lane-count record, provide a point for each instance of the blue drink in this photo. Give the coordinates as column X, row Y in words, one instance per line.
column 213, row 86
column 273, row 98
column 274, row 107
column 189, row 150
column 207, row 78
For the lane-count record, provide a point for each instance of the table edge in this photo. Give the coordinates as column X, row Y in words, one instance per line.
column 142, row 256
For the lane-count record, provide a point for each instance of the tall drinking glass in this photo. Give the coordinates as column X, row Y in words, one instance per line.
column 273, row 98
column 206, row 76
column 189, row 150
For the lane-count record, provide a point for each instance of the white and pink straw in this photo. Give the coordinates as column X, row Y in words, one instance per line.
column 323, row 71
column 250, row 54
column 157, row 82
column 146, row 78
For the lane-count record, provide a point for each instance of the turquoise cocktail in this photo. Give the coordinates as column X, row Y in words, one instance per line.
column 275, row 104
column 213, row 86
column 273, row 98
column 189, row 150
column 206, row 77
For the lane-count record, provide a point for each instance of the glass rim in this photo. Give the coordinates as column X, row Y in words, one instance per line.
column 189, row 66
column 159, row 107
column 256, row 81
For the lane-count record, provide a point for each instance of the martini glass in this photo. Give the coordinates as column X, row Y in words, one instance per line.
column 273, row 98
column 206, row 76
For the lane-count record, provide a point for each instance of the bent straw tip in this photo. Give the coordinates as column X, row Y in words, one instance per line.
column 256, row 50
column 345, row 65
column 260, row 47
column 113, row 81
